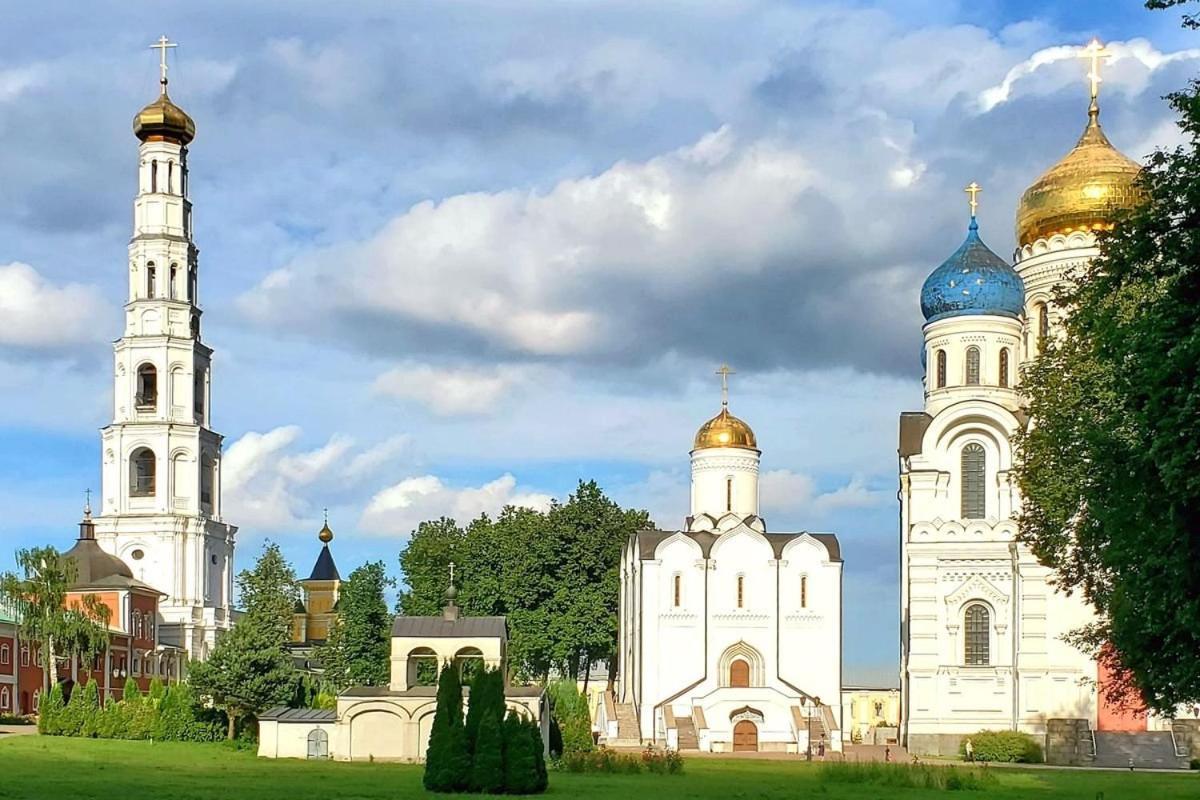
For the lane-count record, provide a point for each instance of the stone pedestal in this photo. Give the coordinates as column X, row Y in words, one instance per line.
column 1068, row 742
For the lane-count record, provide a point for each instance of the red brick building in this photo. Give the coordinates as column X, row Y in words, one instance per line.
column 133, row 650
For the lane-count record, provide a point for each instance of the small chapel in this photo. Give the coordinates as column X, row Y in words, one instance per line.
column 730, row 634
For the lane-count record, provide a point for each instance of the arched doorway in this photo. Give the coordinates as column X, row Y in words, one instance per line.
column 739, row 673
column 318, row 744
column 745, row 737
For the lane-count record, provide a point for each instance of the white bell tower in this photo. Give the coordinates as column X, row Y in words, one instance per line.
column 161, row 462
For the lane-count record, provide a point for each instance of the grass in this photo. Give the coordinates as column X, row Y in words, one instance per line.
column 86, row 769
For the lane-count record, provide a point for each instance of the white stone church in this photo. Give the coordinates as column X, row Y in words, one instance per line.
column 730, row 634
column 982, row 625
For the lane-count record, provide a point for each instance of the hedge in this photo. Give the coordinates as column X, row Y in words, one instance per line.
column 1012, row 747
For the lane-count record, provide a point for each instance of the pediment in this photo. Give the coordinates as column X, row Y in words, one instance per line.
column 977, row 587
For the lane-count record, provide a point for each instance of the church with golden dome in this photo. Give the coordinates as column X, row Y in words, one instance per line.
column 729, row 633
column 983, row 629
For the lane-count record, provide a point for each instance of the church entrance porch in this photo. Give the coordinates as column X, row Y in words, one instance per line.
column 745, row 737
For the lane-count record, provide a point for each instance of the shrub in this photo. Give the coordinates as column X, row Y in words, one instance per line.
column 662, row 762
column 487, row 764
column 50, row 712
column 908, row 776
column 1195, row 764
column 447, row 763
column 542, row 777
column 140, row 718
column 1004, row 746
column 111, row 722
column 520, row 758
column 89, row 713
column 15, row 719
column 570, row 711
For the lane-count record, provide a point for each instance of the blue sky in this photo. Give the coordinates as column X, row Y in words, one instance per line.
column 460, row 254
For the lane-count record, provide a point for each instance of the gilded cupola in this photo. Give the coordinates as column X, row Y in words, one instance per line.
column 1088, row 189
column 725, row 430
column 162, row 120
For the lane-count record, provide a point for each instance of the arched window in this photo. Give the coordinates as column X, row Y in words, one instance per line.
column 741, row 591
column 151, row 275
column 1004, row 367
column 972, row 366
column 207, row 468
column 4, row 700
column 137, row 624
column 171, row 291
column 141, row 473
column 422, row 667
column 976, row 644
column 729, row 494
column 1043, row 322
column 469, row 661
column 973, row 462
column 147, row 387
column 170, row 176
column 5, row 654
column 154, row 175
column 804, row 591
column 677, row 590
column 191, row 287
column 25, row 656
column 739, row 674
column 941, row 369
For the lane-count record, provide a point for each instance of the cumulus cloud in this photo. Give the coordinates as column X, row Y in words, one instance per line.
column 794, row 495
column 399, row 508
column 39, row 315
column 269, row 484
column 450, row 391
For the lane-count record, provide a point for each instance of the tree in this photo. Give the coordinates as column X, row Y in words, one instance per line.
column 1189, row 20
column 1109, row 468
column 247, row 672
column 554, row 575
column 570, row 709
column 487, row 695
column 269, row 592
column 38, row 599
column 50, row 712
column 487, row 763
column 447, row 763
column 131, row 692
column 521, row 755
column 358, row 651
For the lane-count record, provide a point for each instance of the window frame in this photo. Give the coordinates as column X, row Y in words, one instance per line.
column 977, row 635
column 1005, row 367
column 972, row 358
column 972, row 467
column 940, row 360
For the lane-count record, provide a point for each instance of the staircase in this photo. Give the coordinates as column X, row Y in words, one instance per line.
column 686, row 730
column 1148, row 750
column 628, row 733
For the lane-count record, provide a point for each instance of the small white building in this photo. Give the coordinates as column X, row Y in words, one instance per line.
column 392, row 723
column 730, row 635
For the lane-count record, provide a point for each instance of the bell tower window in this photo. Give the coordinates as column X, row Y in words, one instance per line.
column 191, row 285
column 151, row 275
column 154, row 175
column 141, row 473
column 941, row 369
column 1004, row 367
column 147, row 387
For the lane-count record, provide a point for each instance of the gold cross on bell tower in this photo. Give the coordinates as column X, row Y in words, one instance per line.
column 725, row 372
column 1097, row 53
column 973, row 189
column 162, row 46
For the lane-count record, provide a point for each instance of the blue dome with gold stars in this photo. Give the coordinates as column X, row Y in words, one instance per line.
column 973, row 281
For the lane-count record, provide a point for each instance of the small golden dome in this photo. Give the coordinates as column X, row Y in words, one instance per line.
column 725, row 430
column 162, row 120
column 326, row 535
column 1084, row 191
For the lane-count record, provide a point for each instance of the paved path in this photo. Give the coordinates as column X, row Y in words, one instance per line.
column 16, row 730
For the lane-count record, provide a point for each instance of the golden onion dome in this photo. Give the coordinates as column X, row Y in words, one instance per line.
column 1085, row 191
column 162, row 120
column 725, row 430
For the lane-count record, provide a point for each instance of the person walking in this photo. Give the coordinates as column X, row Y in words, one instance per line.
column 969, row 749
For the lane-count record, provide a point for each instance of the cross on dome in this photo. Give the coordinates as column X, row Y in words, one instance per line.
column 162, row 46
column 725, row 372
column 1097, row 53
column 973, row 189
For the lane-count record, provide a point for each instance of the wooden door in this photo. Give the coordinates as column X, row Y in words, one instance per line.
column 739, row 674
column 745, row 737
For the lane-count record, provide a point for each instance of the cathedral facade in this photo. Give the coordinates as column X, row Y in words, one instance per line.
column 160, row 459
column 982, row 624
column 730, row 635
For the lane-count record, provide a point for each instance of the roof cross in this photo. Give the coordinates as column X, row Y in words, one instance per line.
column 162, row 46
column 87, row 502
column 1097, row 53
column 974, row 189
column 725, row 372
column 451, row 573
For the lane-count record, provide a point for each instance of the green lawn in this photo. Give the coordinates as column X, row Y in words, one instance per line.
column 82, row 769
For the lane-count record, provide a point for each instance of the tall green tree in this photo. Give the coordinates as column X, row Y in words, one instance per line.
column 246, row 673
column 37, row 596
column 447, row 763
column 1110, row 467
column 357, row 652
column 554, row 575
column 269, row 591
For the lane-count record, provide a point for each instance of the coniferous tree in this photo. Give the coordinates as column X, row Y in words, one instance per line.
column 541, row 774
column 487, row 764
column 50, row 712
column 89, row 712
column 447, row 763
column 487, row 694
column 520, row 760
column 131, row 691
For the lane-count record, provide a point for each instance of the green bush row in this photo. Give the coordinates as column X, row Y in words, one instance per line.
column 163, row 714
column 1012, row 747
column 907, row 776
column 661, row 762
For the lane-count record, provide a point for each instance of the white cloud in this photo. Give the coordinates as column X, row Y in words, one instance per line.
column 398, row 509
column 450, row 391
column 39, row 315
column 786, row 493
column 268, row 485
column 16, row 81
